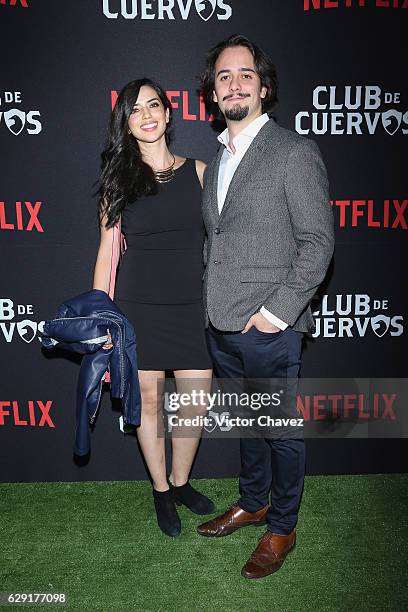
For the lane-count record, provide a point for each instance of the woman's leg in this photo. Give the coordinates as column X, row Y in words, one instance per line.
column 185, row 440
column 150, row 432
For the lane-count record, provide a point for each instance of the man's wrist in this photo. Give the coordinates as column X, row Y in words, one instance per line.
column 273, row 319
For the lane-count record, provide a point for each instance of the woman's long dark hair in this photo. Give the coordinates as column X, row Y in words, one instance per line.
column 124, row 175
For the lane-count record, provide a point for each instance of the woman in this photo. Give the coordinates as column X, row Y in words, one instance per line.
column 157, row 196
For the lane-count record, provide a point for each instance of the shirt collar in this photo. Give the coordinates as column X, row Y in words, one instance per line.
column 247, row 134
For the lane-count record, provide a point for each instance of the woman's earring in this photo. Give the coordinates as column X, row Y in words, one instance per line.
column 129, row 132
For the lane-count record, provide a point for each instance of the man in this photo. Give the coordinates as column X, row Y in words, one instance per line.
column 270, row 240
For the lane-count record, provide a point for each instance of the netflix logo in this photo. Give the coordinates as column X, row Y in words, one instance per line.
column 385, row 214
column 360, row 406
column 22, row 3
column 21, row 216
column 330, row 4
column 31, row 413
column 189, row 105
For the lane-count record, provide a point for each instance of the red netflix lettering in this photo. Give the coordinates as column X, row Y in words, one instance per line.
column 3, row 413
column 386, row 213
column 388, row 401
column 356, row 212
column 342, row 407
column 3, row 222
column 371, row 222
column 19, row 216
column 33, row 413
column 361, row 413
column 16, row 214
column 319, row 407
column 202, row 110
column 400, row 210
column 334, row 400
column 114, row 98
column 376, row 406
column 329, row 4
column 179, row 100
column 33, row 217
column 348, row 405
column 17, row 420
column 389, row 214
column 186, row 115
column 45, row 417
column 171, row 95
column 14, row 2
column 303, row 407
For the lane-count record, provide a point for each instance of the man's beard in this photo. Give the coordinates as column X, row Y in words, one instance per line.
column 237, row 113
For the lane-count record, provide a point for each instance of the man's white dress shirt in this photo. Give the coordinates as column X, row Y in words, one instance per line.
column 229, row 163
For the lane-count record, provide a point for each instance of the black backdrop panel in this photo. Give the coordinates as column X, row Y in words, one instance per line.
column 342, row 83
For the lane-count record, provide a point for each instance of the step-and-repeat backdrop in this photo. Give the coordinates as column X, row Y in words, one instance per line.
column 343, row 83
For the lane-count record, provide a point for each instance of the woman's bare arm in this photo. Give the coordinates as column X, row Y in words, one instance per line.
column 200, row 167
column 103, row 263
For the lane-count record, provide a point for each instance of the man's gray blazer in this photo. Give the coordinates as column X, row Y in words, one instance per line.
column 273, row 242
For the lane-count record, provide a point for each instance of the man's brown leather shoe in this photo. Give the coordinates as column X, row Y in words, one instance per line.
column 234, row 518
column 269, row 555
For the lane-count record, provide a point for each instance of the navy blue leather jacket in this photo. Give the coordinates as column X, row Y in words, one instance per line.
column 82, row 325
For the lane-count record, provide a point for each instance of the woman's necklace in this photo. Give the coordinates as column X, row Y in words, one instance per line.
column 166, row 175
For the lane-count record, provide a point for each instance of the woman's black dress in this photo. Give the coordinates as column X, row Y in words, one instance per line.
column 159, row 283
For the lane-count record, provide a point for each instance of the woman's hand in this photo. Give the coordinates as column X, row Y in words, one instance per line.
column 108, row 344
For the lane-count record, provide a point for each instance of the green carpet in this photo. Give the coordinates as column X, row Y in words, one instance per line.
column 98, row 542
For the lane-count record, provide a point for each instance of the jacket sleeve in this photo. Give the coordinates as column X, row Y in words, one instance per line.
column 89, row 390
column 307, row 194
column 77, row 334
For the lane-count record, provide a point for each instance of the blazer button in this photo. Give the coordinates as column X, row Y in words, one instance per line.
column 217, row 230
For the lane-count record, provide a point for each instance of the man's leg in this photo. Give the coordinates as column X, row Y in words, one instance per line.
column 288, row 470
column 226, row 356
column 229, row 353
column 275, row 356
column 226, row 351
column 287, row 456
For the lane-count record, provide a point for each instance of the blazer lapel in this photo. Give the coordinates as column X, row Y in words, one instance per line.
column 247, row 164
column 214, row 182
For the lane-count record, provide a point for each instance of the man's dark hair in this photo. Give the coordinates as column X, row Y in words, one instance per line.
column 263, row 65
